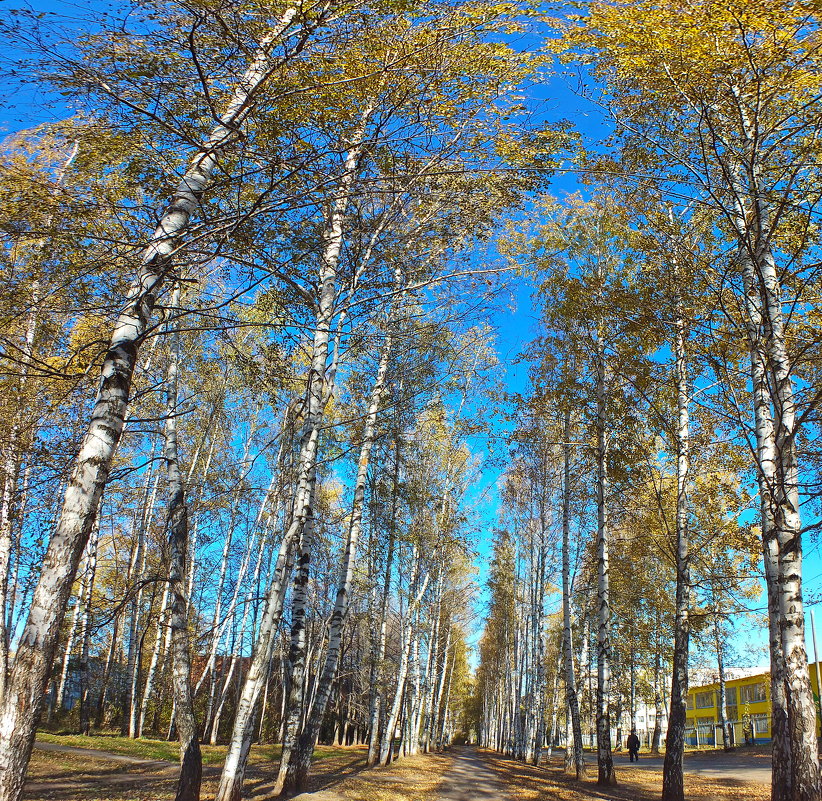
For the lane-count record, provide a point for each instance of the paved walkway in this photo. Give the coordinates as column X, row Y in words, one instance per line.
column 470, row 779
column 717, row 765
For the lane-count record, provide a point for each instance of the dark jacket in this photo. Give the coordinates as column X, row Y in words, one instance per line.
column 633, row 742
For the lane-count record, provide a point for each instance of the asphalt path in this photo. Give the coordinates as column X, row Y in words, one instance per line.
column 470, row 779
column 713, row 765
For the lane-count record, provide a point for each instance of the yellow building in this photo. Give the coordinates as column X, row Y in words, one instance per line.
column 748, row 710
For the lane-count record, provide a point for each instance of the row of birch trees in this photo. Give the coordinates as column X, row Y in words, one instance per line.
column 240, row 360
column 674, row 389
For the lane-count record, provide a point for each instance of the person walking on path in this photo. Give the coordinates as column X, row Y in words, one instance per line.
column 633, row 746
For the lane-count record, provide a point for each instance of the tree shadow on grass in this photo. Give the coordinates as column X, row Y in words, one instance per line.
column 325, row 774
column 551, row 781
column 548, row 781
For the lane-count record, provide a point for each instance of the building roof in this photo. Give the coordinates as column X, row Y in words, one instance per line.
column 704, row 677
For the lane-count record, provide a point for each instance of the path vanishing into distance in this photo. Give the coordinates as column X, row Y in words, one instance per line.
column 470, row 779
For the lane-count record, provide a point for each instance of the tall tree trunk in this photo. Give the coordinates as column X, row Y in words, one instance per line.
column 79, row 620
column 85, row 636
column 539, row 647
column 441, row 705
column 237, row 650
column 438, row 710
column 413, row 697
column 672, row 778
column 156, row 653
column 191, row 769
column 301, row 759
column 104, row 681
column 553, row 728
column 21, row 705
column 386, row 746
column 806, row 780
column 135, row 638
column 231, row 779
column 376, row 664
column 64, row 670
column 11, row 469
column 218, row 626
column 722, row 699
column 605, row 762
column 782, row 769
column 296, row 657
column 571, row 698
column 657, row 735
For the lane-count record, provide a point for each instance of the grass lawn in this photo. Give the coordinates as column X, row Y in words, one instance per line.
column 146, row 748
column 338, row 773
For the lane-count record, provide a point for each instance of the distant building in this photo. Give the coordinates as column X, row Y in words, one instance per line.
column 645, row 716
column 747, row 706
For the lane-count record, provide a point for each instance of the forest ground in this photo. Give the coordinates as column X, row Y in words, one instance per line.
column 141, row 771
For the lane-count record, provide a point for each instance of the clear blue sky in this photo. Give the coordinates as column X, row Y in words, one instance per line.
column 551, row 100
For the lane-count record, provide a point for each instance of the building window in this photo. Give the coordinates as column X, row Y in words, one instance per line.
column 690, row 702
column 752, row 693
column 730, row 696
column 704, row 700
column 759, row 721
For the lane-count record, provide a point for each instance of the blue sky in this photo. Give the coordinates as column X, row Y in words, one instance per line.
column 551, row 100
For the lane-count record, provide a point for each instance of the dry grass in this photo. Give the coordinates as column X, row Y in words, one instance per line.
column 549, row 782
column 73, row 777
column 414, row 778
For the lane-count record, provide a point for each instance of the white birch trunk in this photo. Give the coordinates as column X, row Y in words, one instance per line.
column 64, row 670
column 188, row 787
column 386, row 746
column 379, row 656
column 571, row 697
column 308, row 737
column 236, row 651
column 296, row 655
column 218, row 627
column 605, row 762
column 438, row 711
column 806, row 780
column 85, row 627
column 722, row 698
column 156, row 651
column 135, row 640
column 20, row 708
column 672, row 778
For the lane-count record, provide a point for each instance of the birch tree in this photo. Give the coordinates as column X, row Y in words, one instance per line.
column 20, row 709
column 742, row 155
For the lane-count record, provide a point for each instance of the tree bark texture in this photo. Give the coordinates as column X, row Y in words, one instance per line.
column 605, row 761
column 191, row 767
column 571, row 697
column 672, row 778
column 308, row 737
